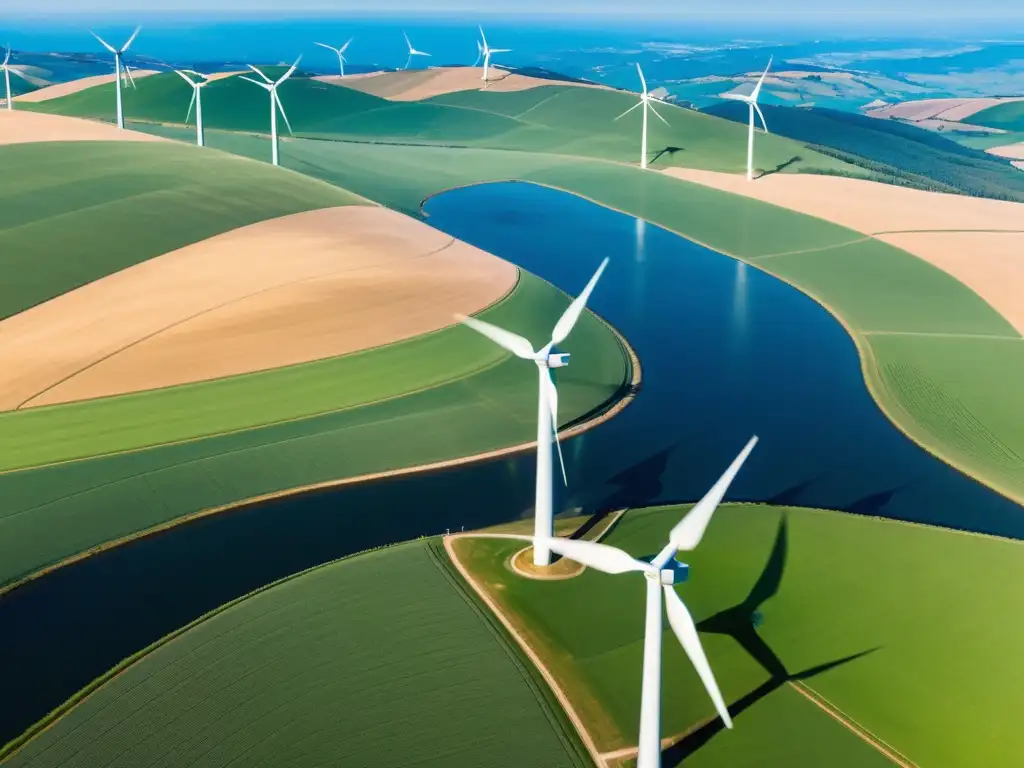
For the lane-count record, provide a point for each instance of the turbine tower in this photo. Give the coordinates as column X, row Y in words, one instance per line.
column 547, row 404
column 118, row 63
column 751, row 102
column 340, row 52
column 662, row 573
column 645, row 101
column 487, row 52
column 275, row 103
column 197, row 100
column 412, row 51
column 7, row 76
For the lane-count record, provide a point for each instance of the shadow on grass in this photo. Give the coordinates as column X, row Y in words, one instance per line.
column 666, row 151
column 741, row 622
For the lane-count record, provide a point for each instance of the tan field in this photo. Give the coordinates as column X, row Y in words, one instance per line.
column 74, row 86
column 1012, row 151
column 925, row 224
column 21, row 127
column 417, row 84
column 948, row 110
column 280, row 292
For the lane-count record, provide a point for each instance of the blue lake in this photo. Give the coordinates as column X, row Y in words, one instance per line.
column 726, row 351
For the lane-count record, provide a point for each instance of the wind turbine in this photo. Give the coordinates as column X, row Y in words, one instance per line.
column 547, row 404
column 751, row 102
column 487, row 52
column 118, row 57
column 7, row 76
column 197, row 100
column 340, row 52
column 645, row 101
column 661, row 574
column 412, row 51
column 275, row 103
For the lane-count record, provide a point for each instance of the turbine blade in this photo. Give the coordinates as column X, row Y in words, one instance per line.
column 568, row 319
column 264, row 86
column 346, row 45
column 600, row 557
column 7, row 56
column 514, row 343
column 128, row 71
column 643, row 80
column 191, row 104
column 131, row 39
column 407, row 41
column 553, row 405
column 280, row 106
column 761, row 114
column 265, row 78
column 288, row 74
column 328, row 47
column 689, row 531
column 19, row 73
column 103, row 42
column 760, row 82
column 185, row 77
column 656, row 113
column 682, row 624
column 482, row 35
column 734, row 97
column 501, row 50
column 629, row 110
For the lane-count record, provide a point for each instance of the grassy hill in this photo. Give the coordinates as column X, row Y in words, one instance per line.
column 380, row 659
column 846, row 607
column 550, row 119
column 1008, row 116
column 901, row 153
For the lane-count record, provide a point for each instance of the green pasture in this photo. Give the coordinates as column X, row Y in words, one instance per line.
column 1008, row 116
column 989, row 140
column 381, row 659
column 911, row 632
column 241, row 437
column 72, row 212
column 952, row 394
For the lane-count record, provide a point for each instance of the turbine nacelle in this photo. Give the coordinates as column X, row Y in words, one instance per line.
column 558, row 360
column 672, row 572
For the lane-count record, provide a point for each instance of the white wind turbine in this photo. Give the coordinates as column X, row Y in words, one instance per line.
column 547, row 405
column 197, row 100
column 340, row 52
column 275, row 103
column 412, row 51
column 645, row 101
column 751, row 102
column 118, row 63
column 7, row 76
column 488, row 52
column 661, row 574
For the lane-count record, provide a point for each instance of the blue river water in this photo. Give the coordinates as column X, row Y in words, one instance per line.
column 726, row 352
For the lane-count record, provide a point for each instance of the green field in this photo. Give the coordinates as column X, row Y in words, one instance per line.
column 556, row 119
column 333, row 424
column 1008, row 117
column 126, row 202
column 381, row 659
column 989, row 140
column 928, row 615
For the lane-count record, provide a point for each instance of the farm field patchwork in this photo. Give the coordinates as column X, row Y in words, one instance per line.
column 1008, row 116
column 880, row 288
column 386, row 645
column 849, row 604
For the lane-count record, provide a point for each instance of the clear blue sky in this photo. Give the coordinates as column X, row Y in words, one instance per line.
column 703, row 9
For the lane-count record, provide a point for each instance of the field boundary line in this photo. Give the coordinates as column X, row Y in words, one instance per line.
column 944, row 335
column 531, row 654
column 893, row 754
column 599, row 418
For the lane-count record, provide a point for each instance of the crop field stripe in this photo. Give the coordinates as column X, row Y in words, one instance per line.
column 235, row 300
column 944, row 335
column 543, row 695
column 858, row 730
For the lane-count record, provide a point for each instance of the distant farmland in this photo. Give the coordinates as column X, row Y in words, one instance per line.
column 377, row 660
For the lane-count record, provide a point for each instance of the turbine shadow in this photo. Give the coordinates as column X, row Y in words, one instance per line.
column 638, row 485
column 665, row 151
column 873, row 504
column 740, row 622
column 780, row 168
column 790, row 497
